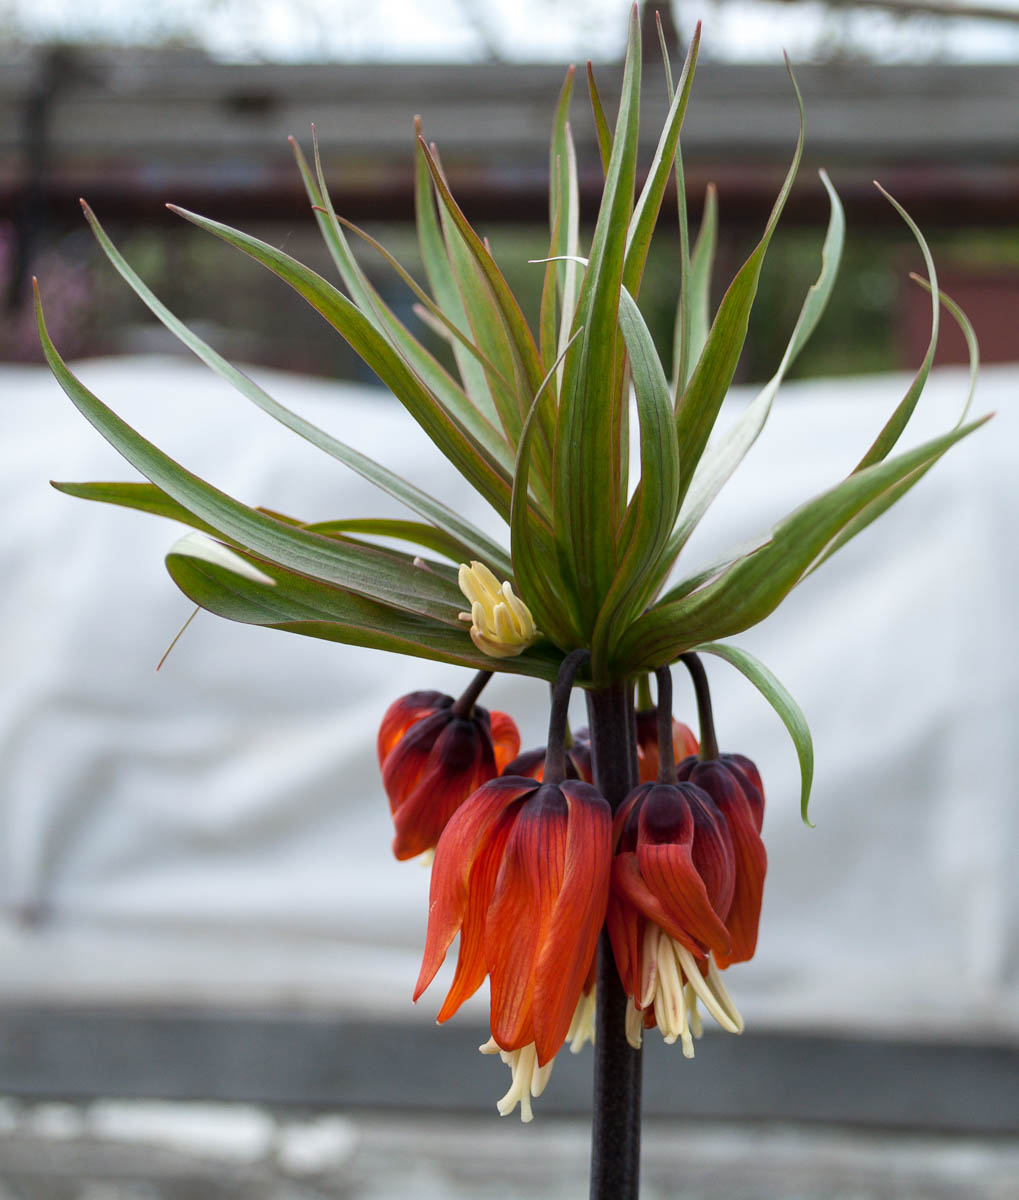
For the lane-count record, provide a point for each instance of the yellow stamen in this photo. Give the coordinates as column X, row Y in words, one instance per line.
column 672, row 981
column 528, row 1078
column 581, row 1029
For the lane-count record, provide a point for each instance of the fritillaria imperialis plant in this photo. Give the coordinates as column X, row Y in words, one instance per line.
column 619, row 871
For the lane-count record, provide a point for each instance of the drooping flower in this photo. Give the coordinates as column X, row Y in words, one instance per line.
column 434, row 752
column 684, row 742
column 501, row 623
column 531, row 763
column 734, row 784
column 522, row 874
column 673, row 880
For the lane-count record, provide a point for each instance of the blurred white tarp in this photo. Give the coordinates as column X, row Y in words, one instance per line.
column 217, row 832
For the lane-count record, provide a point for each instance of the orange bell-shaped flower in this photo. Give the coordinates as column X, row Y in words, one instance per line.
column 684, row 742
column 734, row 785
column 434, row 752
column 522, row 874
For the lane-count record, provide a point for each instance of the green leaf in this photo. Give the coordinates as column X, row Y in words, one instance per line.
column 601, row 125
column 753, row 587
column 235, row 586
column 652, row 510
column 443, row 281
column 721, row 459
column 590, row 491
column 565, row 240
column 470, row 458
column 542, row 588
column 693, row 313
column 497, row 322
column 144, row 497
column 414, row 498
column 381, row 575
column 415, row 532
column 649, row 203
column 698, row 407
column 897, row 422
column 883, row 503
column 566, row 220
column 435, row 377
column 782, row 703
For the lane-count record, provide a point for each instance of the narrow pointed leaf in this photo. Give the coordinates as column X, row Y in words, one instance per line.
column 783, row 704
column 498, row 325
column 435, row 377
column 143, row 497
column 699, row 405
column 469, row 457
column 414, row 498
column 379, row 574
column 415, row 532
column 541, row 586
column 721, row 459
column 443, row 282
column 883, row 503
column 590, row 491
column 602, row 129
column 652, row 510
column 693, row 313
column 649, row 203
column 752, row 588
column 897, row 422
column 240, row 588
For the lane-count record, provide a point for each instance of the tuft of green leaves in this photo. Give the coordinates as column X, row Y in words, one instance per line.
column 538, row 423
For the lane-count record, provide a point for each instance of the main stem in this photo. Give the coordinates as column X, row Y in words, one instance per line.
column 615, row 1132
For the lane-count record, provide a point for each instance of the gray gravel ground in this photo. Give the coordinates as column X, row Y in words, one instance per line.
column 158, row 1151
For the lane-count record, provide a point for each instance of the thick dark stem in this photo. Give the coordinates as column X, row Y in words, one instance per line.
column 464, row 707
column 558, row 724
column 709, row 745
column 666, row 750
column 615, row 1133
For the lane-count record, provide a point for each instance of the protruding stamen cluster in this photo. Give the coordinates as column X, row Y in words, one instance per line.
column 581, row 1029
column 672, row 982
column 501, row 623
column 528, row 1078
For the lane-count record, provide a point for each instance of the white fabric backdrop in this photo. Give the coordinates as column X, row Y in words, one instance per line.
column 217, row 832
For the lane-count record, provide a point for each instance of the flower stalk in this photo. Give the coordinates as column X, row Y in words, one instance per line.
column 615, row 1128
column 705, row 716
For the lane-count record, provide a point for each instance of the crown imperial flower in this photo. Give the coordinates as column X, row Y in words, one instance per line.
column 578, row 760
column 433, row 752
column 673, row 879
column 522, row 874
column 501, row 623
column 684, row 742
column 734, row 785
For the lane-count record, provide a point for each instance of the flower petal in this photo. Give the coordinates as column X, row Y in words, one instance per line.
column 458, row 763
column 505, row 740
column 736, row 798
column 403, row 713
column 569, row 941
column 471, row 967
column 670, row 875
column 457, row 849
column 629, row 887
column 525, row 896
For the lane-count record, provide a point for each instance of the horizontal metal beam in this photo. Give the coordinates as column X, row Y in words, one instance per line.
column 315, row 1060
column 132, row 131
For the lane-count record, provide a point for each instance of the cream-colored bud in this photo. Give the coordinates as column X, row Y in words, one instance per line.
column 501, row 623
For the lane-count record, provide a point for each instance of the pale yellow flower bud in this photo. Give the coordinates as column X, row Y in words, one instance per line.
column 501, row 623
